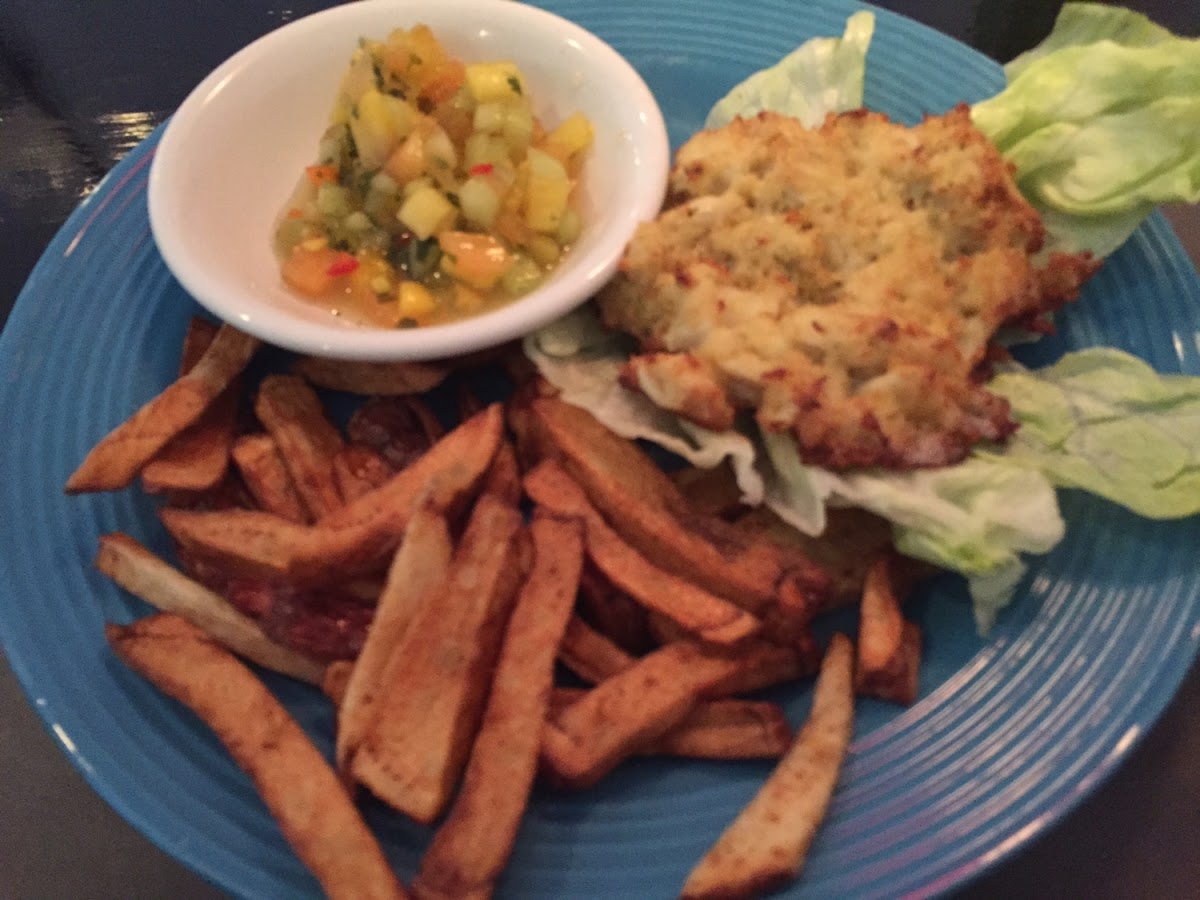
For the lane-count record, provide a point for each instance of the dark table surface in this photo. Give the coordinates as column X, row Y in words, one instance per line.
column 81, row 83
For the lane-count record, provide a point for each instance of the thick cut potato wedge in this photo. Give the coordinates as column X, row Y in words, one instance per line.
column 197, row 458
column 427, row 715
column 313, row 810
column 308, row 442
column 590, row 654
column 639, row 500
column 267, row 478
column 766, row 845
column 145, row 575
column 709, row 617
column 114, row 462
column 889, row 648
column 354, row 540
column 371, row 378
column 472, row 846
column 418, row 569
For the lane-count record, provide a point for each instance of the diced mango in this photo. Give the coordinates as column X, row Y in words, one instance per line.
column 379, row 123
column 426, row 212
column 477, row 260
column 495, row 82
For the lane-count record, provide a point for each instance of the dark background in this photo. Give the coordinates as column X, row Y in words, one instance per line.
column 81, row 83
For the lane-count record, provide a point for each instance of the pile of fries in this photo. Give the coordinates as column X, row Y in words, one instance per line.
column 523, row 595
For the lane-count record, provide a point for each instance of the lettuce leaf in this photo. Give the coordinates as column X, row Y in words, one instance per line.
column 822, row 75
column 1104, row 421
column 1102, row 122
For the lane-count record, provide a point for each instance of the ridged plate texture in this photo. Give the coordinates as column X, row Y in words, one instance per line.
column 1008, row 734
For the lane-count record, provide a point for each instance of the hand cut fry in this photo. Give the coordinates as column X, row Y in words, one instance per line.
column 614, row 613
column 419, row 567
column 313, row 810
column 143, row 574
column 267, row 478
column 427, row 716
column 630, row 710
column 889, row 648
column 337, row 676
column 766, row 844
column 590, row 654
column 293, row 415
column 357, row 538
column 504, row 476
column 367, row 378
column 470, row 849
column 359, row 469
column 197, row 458
column 637, row 498
column 714, row 729
column 709, row 617
column 115, row 461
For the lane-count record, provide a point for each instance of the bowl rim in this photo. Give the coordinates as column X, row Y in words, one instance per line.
column 342, row 340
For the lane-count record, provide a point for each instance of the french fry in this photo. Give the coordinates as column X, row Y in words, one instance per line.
column 709, row 617
column 637, row 498
column 889, row 648
column 472, row 846
column 714, row 729
column 419, row 567
column 358, row 470
column 115, row 461
column 614, row 612
column 630, row 710
column 504, row 476
column 371, row 378
column 590, row 654
column 337, row 676
column 139, row 571
column 267, row 478
column 292, row 413
column 427, row 716
column 356, row 539
column 765, row 846
column 712, row 492
column 197, row 458
column 313, row 810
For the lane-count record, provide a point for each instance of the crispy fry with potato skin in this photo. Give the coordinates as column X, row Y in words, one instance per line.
column 371, row 378
column 197, row 458
column 427, row 716
column 714, row 729
column 632, row 709
column 589, row 654
column 293, row 415
column 357, row 538
column 145, row 575
column 765, row 846
column 115, row 461
column 638, row 499
column 302, row 792
column 419, row 567
column 472, row 846
column 709, row 617
column 889, row 648
column 267, row 478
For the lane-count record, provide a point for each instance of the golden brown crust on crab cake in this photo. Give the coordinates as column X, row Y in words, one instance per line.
column 844, row 283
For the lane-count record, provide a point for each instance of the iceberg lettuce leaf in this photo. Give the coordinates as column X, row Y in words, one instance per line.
column 1102, row 122
column 821, row 76
column 1104, row 421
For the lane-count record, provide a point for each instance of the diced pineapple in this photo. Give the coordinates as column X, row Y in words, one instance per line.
column 379, row 123
column 426, row 212
column 573, row 135
column 440, row 155
column 495, row 82
column 484, row 149
column 569, row 228
column 547, row 193
column 518, row 129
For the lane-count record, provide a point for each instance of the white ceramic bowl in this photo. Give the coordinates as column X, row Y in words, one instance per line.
column 230, row 156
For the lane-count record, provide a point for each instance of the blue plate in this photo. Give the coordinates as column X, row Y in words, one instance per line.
column 1008, row 734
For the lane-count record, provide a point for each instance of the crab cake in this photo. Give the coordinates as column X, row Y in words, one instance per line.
column 844, row 284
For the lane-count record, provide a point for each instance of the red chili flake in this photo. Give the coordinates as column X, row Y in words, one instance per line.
column 343, row 264
column 482, row 169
